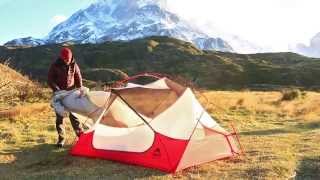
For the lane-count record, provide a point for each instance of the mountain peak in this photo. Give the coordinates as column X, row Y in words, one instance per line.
column 139, row 3
column 112, row 20
column 27, row 41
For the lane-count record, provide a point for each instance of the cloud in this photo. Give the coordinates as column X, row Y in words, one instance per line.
column 312, row 50
column 57, row 19
column 274, row 23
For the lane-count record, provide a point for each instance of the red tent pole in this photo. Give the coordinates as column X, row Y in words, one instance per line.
column 238, row 139
column 145, row 74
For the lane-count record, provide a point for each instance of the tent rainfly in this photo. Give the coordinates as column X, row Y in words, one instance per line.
column 159, row 125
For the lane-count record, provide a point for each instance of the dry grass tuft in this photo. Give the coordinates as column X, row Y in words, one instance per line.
column 23, row 110
column 290, row 94
column 263, row 103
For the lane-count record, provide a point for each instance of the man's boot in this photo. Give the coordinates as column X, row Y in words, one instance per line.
column 60, row 142
column 77, row 127
column 60, row 130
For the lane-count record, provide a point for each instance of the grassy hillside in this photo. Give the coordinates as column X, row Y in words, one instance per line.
column 14, row 87
column 207, row 69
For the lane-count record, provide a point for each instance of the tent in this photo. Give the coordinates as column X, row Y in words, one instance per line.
column 159, row 125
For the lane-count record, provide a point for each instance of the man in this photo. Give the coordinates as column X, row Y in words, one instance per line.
column 64, row 74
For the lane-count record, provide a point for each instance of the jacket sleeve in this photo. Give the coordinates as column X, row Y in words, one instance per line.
column 51, row 79
column 77, row 76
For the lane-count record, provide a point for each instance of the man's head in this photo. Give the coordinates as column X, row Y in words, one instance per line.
column 66, row 55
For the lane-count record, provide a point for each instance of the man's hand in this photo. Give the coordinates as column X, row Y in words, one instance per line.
column 82, row 93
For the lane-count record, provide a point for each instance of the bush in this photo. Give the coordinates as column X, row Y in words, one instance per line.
column 32, row 92
column 290, row 94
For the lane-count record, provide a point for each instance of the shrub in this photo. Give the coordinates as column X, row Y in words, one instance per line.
column 290, row 94
column 30, row 92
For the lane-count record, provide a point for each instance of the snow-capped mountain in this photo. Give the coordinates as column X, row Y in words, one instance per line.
column 312, row 50
column 240, row 45
column 28, row 41
column 112, row 20
column 212, row 43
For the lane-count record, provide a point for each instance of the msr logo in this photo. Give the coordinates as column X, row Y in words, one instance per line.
column 156, row 153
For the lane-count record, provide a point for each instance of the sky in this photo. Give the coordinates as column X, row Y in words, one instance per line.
column 270, row 23
column 23, row 18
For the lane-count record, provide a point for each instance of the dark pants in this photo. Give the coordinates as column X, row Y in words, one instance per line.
column 60, row 126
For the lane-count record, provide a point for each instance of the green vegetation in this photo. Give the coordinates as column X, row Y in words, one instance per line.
column 207, row 69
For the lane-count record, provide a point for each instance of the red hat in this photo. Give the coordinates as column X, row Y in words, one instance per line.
column 65, row 53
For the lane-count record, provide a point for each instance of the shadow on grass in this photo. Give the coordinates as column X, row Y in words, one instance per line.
column 28, row 158
column 46, row 161
column 309, row 168
column 299, row 128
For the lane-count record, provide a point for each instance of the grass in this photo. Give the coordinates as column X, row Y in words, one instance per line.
column 280, row 140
